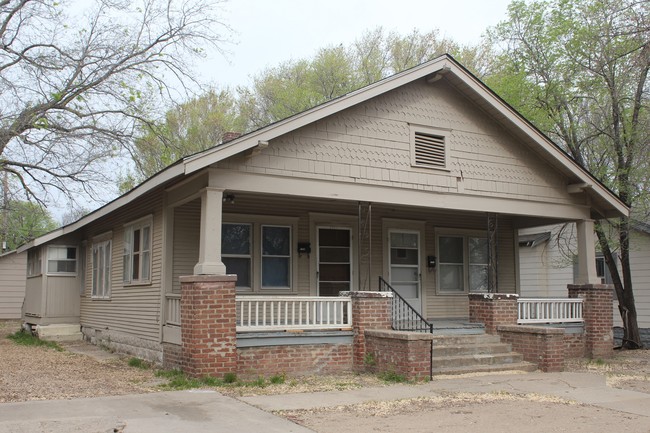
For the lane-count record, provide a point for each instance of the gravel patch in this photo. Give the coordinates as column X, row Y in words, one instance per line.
column 40, row 373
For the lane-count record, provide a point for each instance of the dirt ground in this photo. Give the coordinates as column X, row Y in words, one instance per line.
column 38, row 373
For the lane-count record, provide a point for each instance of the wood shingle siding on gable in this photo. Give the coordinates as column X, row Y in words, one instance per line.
column 131, row 309
column 370, row 143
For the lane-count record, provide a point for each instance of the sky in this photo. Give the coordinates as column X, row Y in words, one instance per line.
column 268, row 32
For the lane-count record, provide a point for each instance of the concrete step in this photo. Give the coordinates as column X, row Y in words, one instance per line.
column 475, row 360
column 517, row 366
column 464, row 339
column 470, row 349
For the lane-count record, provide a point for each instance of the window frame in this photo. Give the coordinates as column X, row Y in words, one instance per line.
column 428, row 130
column 249, row 256
column 106, row 293
column 62, row 273
column 129, row 257
column 287, row 257
column 35, row 262
column 465, row 235
column 256, row 222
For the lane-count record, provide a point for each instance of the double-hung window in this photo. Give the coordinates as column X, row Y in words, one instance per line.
column 34, row 262
column 276, row 257
column 101, row 265
column 136, row 258
column 259, row 254
column 61, row 260
column 462, row 263
column 236, row 252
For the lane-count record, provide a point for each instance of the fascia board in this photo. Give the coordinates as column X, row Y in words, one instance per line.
column 542, row 141
column 150, row 184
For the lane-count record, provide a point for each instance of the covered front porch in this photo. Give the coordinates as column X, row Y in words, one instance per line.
column 289, row 247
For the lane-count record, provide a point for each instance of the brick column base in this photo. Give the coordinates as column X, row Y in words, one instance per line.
column 493, row 309
column 541, row 345
column 597, row 314
column 370, row 310
column 208, row 325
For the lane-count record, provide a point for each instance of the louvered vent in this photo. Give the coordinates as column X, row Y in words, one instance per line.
column 429, row 150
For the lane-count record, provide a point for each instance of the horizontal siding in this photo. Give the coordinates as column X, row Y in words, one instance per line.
column 13, row 271
column 370, row 143
column 133, row 309
column 640, row 265
column 185, row 255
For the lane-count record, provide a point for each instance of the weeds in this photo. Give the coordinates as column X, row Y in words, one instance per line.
column 177, row 380
column 392, row 377
column 139, row 363
column 26, row 339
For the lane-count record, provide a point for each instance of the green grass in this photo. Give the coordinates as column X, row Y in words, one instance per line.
column 26, row 339
column 392, row 377
column 139, row 363
column 177, row 380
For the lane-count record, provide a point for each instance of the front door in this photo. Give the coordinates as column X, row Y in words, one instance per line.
column 334, row 261
column 404, row 265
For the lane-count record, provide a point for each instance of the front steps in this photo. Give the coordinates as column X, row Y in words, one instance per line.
column 472, row 353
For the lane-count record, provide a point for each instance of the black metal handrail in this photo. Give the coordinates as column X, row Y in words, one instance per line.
column 404, row 317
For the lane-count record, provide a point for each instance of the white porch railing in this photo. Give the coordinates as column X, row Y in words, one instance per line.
column 549, row 310
column 173, row 309
column 273, row 313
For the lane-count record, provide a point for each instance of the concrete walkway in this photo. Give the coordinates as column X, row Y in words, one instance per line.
column 179, row 411
column 209, row 411
column 579, row 387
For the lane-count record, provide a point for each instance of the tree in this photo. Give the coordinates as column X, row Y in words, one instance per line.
column 578, row 69
column 24, row 222
column 73, row 85
column 188, row 128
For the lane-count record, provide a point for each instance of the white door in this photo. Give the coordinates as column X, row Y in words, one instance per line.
column 404, row 266
column 334, row 260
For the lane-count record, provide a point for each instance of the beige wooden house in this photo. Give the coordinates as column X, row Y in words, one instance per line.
column 423, row 178
column 12, row 284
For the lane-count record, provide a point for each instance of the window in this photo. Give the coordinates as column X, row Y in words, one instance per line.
column 61, row 260
column 260, row 254
column 462, row 264
column 276, row 256
column 34, row 262
column 236, row 252
column 101, row 278
column 136, row 258
column 428, row 148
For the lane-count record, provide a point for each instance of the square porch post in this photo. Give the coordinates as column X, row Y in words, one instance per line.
column 210, row 239
column 586, row 253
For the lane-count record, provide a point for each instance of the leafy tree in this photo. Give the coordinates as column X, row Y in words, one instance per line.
column 188, row 128
column 74, row 80
column 24, row 221
column 578, row 69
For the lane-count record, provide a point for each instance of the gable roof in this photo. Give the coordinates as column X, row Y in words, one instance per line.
column 445, row 66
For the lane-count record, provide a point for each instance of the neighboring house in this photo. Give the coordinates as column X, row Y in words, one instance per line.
column 423, row 178
column 12, row 284
column 545, row 257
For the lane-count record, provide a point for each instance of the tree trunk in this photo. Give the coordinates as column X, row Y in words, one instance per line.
column 623, row 287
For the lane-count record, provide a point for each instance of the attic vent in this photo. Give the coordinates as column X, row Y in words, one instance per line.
column 430, row 150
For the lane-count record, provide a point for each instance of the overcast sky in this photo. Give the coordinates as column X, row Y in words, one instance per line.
column 269, row 32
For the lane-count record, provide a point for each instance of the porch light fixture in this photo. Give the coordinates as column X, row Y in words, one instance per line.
column 229, row 198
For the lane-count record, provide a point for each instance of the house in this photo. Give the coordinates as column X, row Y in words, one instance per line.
column 12, row 284
column 547, row 266
column 423, row 178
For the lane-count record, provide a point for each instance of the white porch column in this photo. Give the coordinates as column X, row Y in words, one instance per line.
column 586, row 253
column 210, row 242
